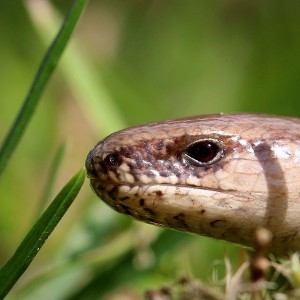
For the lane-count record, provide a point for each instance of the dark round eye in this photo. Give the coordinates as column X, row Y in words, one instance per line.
column 112, row 160
column 204, row 152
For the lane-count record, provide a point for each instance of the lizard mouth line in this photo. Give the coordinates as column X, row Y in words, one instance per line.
column 177, row 186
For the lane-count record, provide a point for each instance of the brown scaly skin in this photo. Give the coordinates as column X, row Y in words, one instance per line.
column 143, row 172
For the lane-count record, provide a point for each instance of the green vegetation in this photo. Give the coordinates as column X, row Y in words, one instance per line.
column 128, row 64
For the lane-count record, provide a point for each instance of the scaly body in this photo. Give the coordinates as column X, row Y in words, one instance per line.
column 217, row 175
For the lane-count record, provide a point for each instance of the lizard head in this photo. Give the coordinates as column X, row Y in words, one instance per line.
column 215, row 175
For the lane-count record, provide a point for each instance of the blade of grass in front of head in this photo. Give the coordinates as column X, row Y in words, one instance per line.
column 37, row 236
column 45, row 70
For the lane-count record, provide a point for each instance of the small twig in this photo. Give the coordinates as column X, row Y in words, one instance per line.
column 260, row 264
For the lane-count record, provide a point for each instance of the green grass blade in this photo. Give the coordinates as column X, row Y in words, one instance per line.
column 45, row 70
column 86, row 84
column 36, row 237
column 46, row 196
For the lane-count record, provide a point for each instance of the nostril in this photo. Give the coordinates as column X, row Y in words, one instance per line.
column 112, row 160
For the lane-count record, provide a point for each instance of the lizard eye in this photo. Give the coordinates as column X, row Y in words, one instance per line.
column 112, row 160
column 204, row 152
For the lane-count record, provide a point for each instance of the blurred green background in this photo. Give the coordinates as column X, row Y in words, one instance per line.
column 130, row 62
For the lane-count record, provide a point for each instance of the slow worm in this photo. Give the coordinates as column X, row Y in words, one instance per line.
column 220, row 176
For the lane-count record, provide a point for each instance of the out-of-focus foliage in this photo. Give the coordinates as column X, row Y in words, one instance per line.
column 150, row 60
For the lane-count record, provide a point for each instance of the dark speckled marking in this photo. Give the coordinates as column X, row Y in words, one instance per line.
column 150, row 211
column 124, row 198
column 216, row 223
column 126, row 209
column 150, row 174
column 164, row 174
column 111, row 193
column 202, row 211
column 180, row 218
column 152, row 220
column 142, row 202
column 160, row 145
column 158, row 193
